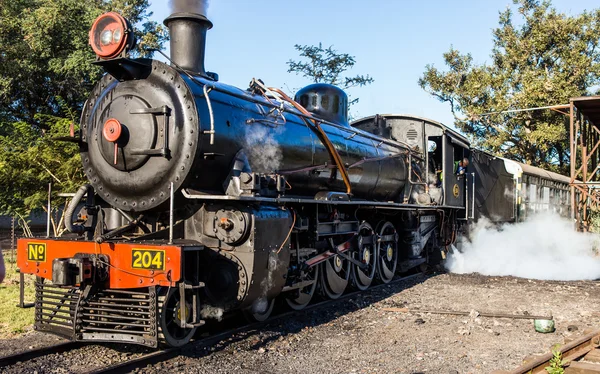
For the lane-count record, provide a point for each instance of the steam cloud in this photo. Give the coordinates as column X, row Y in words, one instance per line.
column 189, row 6
column 209, row 311
column 264, row 153
column 543, row 247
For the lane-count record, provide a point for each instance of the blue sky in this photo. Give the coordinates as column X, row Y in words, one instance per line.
column 391, row 40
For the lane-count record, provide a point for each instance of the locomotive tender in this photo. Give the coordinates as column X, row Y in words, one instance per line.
column 205, row 198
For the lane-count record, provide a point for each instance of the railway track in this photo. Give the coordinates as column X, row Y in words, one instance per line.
column 39, row 352
column 581, row 356
column 165, row 354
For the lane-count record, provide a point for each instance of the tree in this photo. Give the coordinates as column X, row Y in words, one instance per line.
column 326, row 66
column 542, row 59
column 45, row 77
column 45, row 59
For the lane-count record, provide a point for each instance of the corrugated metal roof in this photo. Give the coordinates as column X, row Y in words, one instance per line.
column 589, row 106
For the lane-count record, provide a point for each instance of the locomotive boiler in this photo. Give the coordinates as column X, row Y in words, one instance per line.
column 205, row 198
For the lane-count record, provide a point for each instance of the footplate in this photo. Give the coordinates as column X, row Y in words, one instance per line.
column 125, row 316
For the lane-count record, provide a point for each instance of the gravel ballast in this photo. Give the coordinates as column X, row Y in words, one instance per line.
column 359, row 336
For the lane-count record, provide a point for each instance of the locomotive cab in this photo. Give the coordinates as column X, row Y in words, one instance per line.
column 441, row 149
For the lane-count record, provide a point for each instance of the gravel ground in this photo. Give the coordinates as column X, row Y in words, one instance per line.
column 358, row 336
column 28, row 341
column 79, row 360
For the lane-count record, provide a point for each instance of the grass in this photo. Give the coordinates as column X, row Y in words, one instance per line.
column 14, row 320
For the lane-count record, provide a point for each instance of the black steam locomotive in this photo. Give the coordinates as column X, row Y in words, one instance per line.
column 205, row 198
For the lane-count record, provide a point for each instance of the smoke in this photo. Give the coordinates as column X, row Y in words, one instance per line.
column 261, row 304
column 543, row 247
column 189, row 6
column 264, row 153
column 212, row 312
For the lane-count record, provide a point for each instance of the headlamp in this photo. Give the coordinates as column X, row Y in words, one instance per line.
column 111, row 34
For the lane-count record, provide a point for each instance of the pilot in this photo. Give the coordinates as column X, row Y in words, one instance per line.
column 460, row 167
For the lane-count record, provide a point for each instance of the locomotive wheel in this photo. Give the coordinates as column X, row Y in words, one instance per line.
column 299, row 299
column 387, row 249
column 169, row 323
column 365, row 252
column 335, row 276
column 253, row 315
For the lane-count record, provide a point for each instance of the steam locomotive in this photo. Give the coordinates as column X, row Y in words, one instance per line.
column 204, row 197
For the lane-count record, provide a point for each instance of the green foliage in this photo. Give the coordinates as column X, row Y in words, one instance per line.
column 326, row 65
column 30, row 159
column 45, row 77
column 556, row 363
column 543, row 58
column 45, row 59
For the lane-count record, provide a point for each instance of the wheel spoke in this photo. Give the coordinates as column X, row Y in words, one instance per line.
column 388, row 252
column 173, row 334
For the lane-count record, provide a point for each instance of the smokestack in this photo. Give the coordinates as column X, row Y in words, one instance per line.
column 188, row 40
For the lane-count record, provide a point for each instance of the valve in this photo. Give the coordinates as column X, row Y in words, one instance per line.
column 111, row 132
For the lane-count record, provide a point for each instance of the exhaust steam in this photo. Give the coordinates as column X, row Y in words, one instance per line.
column 544, row 247
column 189, row 6
column 263, row 150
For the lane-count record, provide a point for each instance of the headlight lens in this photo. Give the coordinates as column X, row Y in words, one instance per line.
column 106, row 37
column 116, row 37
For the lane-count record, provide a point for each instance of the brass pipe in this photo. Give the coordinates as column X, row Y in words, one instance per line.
column 323, row 136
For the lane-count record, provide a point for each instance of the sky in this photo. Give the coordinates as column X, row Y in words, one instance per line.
column 392, row 41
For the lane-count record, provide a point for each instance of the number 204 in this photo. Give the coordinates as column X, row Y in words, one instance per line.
column 148, row 259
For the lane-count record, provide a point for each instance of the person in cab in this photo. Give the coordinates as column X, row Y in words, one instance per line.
column 460, row 167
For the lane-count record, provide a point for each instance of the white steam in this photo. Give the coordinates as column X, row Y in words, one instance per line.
column 263, row 150
column 261, row 304
column 212, row 312
column 543, row 247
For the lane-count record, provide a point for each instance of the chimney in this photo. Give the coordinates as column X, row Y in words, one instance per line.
column 188, row 40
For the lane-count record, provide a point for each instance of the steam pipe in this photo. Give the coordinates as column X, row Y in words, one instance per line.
column 71, row 209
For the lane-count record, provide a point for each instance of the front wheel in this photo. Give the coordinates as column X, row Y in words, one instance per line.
column 170, row 306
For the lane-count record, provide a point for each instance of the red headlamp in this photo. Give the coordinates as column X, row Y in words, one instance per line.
column 110, row 35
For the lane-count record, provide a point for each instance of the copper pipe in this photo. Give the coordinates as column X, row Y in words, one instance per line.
column 328, row 144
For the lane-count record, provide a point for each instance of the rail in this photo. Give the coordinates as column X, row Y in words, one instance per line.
column 585, row 347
